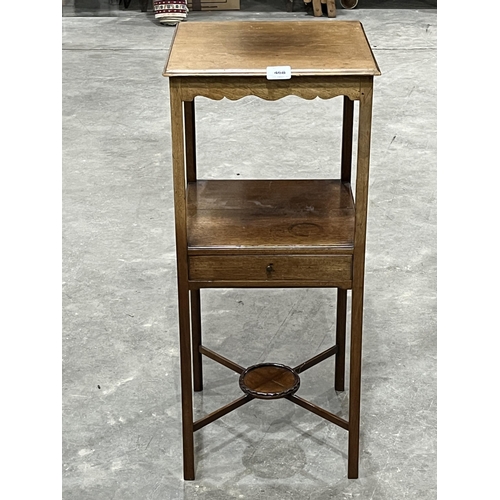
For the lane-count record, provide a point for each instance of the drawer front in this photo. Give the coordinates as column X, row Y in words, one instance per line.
column 271, row 267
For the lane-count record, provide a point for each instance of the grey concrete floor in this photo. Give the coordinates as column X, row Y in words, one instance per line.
column 121, row 402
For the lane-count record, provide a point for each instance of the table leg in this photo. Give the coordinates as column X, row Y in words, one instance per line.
column 346, row 166
column 186, row 382
column 190, row 134
column 364, row 136
column 177, row 131
column 355, row 382
column 340, row 339
column 196, row 336
column 347, row 124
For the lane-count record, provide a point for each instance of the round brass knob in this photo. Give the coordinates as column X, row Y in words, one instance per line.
column 269, row 269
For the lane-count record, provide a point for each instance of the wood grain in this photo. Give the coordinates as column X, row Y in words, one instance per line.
column 247, row 48
column 177, row 132
column 364, row 140
column 269, row 381
column 260, row 216
column 195, row 285
column 270, row 267
column 237, row 87
column 279, row 234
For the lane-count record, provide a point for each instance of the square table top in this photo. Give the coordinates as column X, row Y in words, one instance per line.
column 247, row 48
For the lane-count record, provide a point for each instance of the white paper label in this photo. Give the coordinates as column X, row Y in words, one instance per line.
column 279, row 72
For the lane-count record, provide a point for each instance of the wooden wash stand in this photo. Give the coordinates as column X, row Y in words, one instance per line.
column 226, row 240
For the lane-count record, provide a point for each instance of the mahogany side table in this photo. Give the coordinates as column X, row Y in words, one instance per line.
column 225, row 239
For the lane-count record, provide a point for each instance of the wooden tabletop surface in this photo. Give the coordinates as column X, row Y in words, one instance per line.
column 247, row 48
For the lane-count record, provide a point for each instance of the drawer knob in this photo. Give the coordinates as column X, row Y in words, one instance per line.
column 269, row 269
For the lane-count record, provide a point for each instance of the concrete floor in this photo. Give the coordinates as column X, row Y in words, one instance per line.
column 121, row 402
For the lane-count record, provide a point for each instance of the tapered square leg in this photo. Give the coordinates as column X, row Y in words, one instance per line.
column 364, row 136
column 186, row 384
column 355, row 383
column 178, row 146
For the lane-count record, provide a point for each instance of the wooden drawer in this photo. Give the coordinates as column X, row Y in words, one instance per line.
column 270, row 267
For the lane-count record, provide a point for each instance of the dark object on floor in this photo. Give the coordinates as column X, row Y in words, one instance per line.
column 144, row 4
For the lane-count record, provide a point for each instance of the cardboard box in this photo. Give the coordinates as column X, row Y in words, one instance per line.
column 194, row 5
